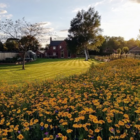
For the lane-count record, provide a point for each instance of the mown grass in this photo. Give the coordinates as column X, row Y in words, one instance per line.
column 101, row 104
column 43, row 69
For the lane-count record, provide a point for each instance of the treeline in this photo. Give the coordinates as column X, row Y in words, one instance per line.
column 13, row 45
column 115, row 45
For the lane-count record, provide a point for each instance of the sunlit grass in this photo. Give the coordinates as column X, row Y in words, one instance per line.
column 43, row 69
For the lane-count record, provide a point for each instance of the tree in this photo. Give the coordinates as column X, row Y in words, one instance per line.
column 111, row 44
column 125, row 49
column 119, row 50
column 1, row 46
column 84, row 33
column 131, row 43
column 12, row 44
column 28, row 43
column 20, row 28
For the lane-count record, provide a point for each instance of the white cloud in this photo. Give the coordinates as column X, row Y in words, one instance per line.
column 8, row 16
column 87, row 7
column 3, row 11
column 2, row 5
column 44, row 24
column 99, row 3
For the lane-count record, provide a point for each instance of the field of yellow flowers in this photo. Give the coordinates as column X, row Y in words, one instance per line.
column 102, row 104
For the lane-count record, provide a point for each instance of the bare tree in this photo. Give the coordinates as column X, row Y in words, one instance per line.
column 21, row 28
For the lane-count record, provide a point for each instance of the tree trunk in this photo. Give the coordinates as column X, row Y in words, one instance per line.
column 23, row 63
column 86, row 55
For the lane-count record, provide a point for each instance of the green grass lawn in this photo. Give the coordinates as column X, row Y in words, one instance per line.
column 43, row 69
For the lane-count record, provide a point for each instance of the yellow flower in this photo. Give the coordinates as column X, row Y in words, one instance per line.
column 90, row 132
column 51, row 137
column 8, row 123
column 121, row 123
column 99, row 138
column 49, row 120
column 69, row 130
column 26, row 124
column 5, row 133
column 20, row 136
column 41, row 124
column 97, row 130
column 18, row 111
column 27, row 128
column 36, row 120
column 118, row 131
column 131, row 138
column 59, row 135
column 46, row 138
column 46, row 125
column 4, row 138
column 64, row 138
column 16, row 128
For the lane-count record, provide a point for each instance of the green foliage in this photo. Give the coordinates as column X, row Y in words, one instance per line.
column 125, row 49
column 119, row 50
column 111, row 44
column 12, row 45
column 132, row 43
column 84, row 32
column 1, row 46
column 29, row 43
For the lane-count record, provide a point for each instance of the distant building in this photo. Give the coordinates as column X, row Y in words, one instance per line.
column 135, row 50
column 58, row 49
column 40, row 53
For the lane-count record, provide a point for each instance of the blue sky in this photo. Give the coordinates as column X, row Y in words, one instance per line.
column 118, row 17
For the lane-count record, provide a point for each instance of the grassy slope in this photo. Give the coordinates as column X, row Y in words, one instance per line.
column 42, row 69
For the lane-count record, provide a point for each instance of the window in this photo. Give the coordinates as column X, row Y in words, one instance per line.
column 54, row 48
column 60, row 47
column 54, row 53
column 45, row 53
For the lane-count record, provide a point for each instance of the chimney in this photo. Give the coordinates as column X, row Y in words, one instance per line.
column 50, row 39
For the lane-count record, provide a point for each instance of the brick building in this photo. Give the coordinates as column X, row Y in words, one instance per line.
column 58, row 49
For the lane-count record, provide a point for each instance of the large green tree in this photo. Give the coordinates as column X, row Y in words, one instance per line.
column 84, row 33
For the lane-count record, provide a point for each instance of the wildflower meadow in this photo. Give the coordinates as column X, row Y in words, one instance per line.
column 101, row 104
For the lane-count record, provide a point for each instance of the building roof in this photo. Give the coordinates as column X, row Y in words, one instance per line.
column 135, row 49
column 55, row 42
column 41, row 51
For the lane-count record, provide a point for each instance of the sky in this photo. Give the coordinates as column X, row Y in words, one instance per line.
column 118, row 17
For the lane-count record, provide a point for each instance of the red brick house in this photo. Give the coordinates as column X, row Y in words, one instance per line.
column 58, row 49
